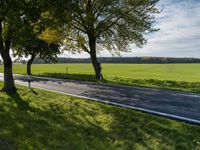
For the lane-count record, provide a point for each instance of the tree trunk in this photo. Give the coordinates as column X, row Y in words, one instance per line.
column 29, row 63
column 95, row 63
column 9, row 85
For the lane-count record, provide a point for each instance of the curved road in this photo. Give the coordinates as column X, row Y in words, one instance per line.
column 179, row 105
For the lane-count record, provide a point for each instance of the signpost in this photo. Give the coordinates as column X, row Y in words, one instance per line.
column 67, row 70
column 29, row 82
column 100, row 76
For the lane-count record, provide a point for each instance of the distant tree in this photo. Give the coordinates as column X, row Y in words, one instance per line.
column 109, row 24
column 42, row 38
column 38, row 48
column 42, row 44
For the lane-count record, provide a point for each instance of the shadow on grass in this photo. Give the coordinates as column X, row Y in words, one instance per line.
column 149, row 83
column 83, row 77
column 47, row 125
column 21, row 104
column 162, row 84
column 55, row 121
column 33, row 91
column 150, row 132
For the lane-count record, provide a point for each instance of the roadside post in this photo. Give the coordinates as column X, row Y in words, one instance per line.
column 29, row 82
column 67, row 70
column 100, row 76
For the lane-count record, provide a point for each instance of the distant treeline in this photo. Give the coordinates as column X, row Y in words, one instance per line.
column 126, row 60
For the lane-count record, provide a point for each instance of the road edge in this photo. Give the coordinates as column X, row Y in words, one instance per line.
column 169, row 116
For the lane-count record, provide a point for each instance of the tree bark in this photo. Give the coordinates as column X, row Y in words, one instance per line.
column 95, row 63
column 29, row 63
column 9, row 85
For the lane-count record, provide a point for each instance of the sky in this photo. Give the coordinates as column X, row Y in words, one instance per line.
column 179, row 34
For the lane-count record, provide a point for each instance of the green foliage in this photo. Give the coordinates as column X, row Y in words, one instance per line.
column 115, row 24
column 37, row 37
column 44, row 120
column 35, row 47
column 15, row 15
column 51, row 35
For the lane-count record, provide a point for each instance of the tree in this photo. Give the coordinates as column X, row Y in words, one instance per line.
column 109, row 24
column 14, row 16
column 9, row 22
column 43, row 37
column 33, row 43
column 37, row 48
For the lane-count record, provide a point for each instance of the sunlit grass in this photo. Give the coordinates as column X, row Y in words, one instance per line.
column 44, row 120
column 184, row 77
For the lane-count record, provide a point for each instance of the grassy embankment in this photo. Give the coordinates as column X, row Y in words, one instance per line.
column 185, row 77
column 46, row 120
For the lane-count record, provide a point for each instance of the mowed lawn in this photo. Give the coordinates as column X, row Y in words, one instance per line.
column 44, row 120
column 168, row 76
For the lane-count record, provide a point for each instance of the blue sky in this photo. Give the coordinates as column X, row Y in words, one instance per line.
column 179, row 34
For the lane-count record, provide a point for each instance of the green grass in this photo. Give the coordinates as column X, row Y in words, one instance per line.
column 46, row 120
column 184, row 77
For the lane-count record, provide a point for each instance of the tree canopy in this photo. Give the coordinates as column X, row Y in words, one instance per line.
column 40, row 27
column 17, row 17
column 112, row 25
column 11, row 16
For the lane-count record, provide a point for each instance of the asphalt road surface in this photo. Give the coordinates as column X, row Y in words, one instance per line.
column 179, row 105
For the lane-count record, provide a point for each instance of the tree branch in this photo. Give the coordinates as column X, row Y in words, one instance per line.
column 108, row 19
column 81, row 22
column 82, row 45
column 78, row 28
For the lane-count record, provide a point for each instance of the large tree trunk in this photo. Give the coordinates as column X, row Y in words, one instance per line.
column 29, row 63
column 9, row 85
column 95, row 63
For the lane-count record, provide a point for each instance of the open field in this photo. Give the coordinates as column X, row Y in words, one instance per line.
column 46, row 120
column 168, row 76
column 174, row 72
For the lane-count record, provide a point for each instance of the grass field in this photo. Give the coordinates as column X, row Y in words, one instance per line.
column 168, row 76
column 46, row 120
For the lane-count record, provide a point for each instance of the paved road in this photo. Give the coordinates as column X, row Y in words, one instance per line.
column 179, row 105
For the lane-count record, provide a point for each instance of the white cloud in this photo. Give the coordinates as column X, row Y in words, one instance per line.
column 179, row 34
